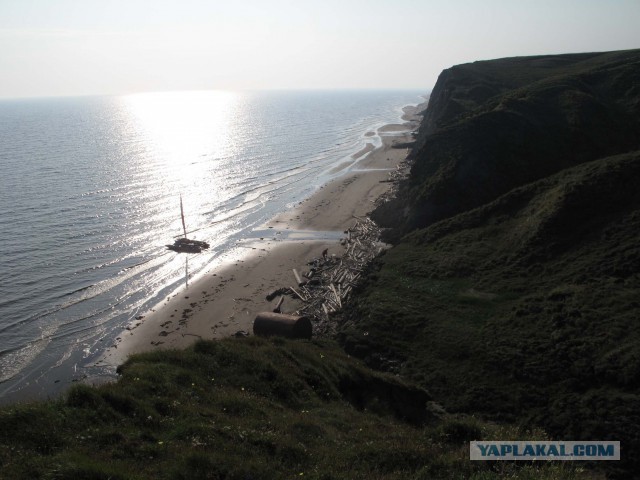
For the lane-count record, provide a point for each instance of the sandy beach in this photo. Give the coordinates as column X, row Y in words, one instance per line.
column 227, row 298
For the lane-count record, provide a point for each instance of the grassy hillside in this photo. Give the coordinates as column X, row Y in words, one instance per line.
column 250, row 409
column 515, row 290
column 545, row 263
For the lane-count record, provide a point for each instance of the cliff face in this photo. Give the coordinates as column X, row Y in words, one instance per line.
column 512, row 290
column 463, row 88
column 492, row 126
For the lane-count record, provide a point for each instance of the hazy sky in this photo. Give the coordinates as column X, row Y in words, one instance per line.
column 79, row 47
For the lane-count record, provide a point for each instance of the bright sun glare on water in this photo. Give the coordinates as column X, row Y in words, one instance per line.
column 182, row 130
column 184, row 136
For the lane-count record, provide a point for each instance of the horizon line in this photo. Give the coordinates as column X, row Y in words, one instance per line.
column 195, row 90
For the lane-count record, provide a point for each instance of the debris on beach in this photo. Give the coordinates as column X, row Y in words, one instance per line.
column 395, row 177
column 275, row 293
column 330, row 280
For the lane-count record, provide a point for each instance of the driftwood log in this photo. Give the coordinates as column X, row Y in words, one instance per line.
column 282, row 325
column 278, row 308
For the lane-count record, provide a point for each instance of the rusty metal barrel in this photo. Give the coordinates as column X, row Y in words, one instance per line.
column 290, row 326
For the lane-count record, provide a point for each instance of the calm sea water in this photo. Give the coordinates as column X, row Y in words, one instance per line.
column 89, row 196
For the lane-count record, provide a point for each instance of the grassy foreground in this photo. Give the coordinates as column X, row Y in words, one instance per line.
column 251, row 409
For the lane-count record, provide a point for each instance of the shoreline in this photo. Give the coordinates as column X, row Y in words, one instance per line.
column 226, row 299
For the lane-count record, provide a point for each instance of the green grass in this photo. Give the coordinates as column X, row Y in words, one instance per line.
column 523, row 310
column 251, row 409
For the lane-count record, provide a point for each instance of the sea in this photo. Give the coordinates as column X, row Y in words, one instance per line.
column 90, row 193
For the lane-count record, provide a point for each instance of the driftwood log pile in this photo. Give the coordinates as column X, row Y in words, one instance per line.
column 326, row 286
column 401, row 172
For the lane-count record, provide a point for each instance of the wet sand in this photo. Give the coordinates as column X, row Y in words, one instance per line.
column 226, row 299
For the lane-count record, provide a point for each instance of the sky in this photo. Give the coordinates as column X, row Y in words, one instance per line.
column 89, row 47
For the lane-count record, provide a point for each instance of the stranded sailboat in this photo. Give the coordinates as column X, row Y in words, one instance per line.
column 185, row 245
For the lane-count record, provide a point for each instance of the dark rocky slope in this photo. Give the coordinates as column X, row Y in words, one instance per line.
column 492, row 126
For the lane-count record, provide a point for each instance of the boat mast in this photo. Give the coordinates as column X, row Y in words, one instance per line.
column 182, row 215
